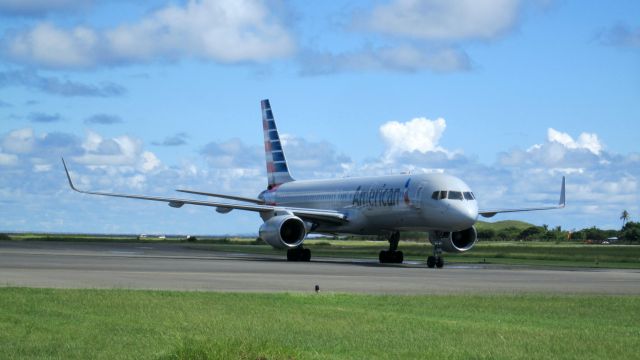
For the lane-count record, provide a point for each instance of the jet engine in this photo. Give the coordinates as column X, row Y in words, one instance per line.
column 456, row 241
column 283, row 231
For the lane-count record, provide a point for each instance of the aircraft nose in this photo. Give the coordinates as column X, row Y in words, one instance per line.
column 467, row 213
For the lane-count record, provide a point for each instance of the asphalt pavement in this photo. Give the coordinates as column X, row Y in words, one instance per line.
column 187, row 267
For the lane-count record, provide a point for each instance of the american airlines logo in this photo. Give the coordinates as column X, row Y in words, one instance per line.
column 378, row 197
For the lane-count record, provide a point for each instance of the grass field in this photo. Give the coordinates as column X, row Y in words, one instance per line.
column 126, row 324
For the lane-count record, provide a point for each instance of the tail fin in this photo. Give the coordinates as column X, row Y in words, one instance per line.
column 277, row 169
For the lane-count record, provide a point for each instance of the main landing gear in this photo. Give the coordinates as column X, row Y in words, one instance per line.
column 392, row 255
column 436, row 260
column 299, row 254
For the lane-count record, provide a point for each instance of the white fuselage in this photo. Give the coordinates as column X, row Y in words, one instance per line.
column 375, row 205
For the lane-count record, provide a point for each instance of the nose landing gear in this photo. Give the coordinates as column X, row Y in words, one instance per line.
column 436, row 260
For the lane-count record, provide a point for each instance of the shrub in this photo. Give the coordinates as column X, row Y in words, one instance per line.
column 259, row 241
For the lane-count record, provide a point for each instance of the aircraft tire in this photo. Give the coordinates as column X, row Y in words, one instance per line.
column 306, row 255
column 439, row 262
column 295, row 255
column 431, row 262
column 398, row 257
column 383, row 256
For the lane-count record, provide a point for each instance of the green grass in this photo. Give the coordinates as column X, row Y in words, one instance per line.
column 120, row 238
column 126, row 324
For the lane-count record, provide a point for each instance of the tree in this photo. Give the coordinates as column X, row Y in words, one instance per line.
column 631, row 232
column 486, row 234
column 531, row 233
column 593, row 233
column 510, row 233
column 624, row 217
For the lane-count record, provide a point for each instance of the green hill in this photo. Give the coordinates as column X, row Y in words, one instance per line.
column 501, row 225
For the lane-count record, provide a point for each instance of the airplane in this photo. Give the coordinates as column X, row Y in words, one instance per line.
column 441, row 205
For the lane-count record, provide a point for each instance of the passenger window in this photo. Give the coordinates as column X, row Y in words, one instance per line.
column 455, row 195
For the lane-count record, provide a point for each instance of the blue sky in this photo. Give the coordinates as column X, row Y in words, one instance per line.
column 147, row 97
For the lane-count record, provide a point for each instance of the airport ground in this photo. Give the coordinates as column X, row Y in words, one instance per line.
column 119, row 300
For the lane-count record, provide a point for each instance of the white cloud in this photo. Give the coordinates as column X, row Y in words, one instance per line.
column 92, row 141
column 119, row 151
column 560, row 151
column 42, row 167
column 418, row 134
column 34, row 182
column 585, row 141
column 31, row 80
column 404, row 58
column 46, row 44
column 19, row 141
column 443, row 19
column 7, row 159
column 149, row 161
column 233, row 153
column 598, row 182
column 313, row 159
column 136, row 181
column 226, row 31
column 419, row 35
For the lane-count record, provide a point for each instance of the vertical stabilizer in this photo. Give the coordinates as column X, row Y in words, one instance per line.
column 277, row 169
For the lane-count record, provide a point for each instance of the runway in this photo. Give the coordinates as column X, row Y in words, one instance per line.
column 185, row 267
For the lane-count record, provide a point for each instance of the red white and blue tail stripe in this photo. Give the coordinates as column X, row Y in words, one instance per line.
column 277, row 169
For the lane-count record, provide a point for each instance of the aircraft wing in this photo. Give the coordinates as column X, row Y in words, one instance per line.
column 322, row 215
column 561, row 204
column 223, row 196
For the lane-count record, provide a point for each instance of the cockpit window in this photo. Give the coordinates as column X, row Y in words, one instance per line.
column 452, row 195
column 455, row 195
column 439, row 195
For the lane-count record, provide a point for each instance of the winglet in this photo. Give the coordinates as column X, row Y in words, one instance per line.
column 68, row 177
column 562, row 202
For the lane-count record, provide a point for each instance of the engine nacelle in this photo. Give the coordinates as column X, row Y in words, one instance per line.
column 283, row 231
column 457, row 241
